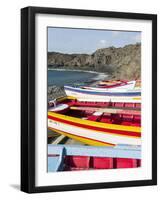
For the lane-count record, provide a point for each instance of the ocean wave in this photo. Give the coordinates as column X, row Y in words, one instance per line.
column 100, row 76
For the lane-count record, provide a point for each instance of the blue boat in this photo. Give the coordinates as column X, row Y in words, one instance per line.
column 78, row 157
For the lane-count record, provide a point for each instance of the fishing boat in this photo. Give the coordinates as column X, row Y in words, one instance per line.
column 121, row 95
column 96, row 124
column 126, row 85
column 83, row 157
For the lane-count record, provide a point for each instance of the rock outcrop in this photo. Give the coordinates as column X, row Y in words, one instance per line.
column 120, row 63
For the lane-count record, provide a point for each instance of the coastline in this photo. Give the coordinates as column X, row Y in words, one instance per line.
column 55, row 91
column 100, row 75
column 75, row 70
column 120, row 63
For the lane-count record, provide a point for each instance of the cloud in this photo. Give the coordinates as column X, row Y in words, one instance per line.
column 137, row 38
column 103, row 43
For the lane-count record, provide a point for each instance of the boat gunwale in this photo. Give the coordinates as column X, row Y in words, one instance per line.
column 96, row 124
column 106, row 93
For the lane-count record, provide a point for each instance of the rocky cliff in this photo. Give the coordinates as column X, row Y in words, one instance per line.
column 120, row 63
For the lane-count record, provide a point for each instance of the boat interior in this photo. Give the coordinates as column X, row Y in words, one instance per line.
column 106, row 112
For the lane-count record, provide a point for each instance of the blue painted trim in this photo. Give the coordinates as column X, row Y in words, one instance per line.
column 53, row 163
column 85, row 91
column 61, row 159
column 57, row 162
column 120, row 151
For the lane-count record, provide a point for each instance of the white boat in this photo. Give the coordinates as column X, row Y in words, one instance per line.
column 121, row 95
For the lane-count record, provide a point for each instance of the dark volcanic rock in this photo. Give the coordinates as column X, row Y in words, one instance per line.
column 120, row 63
column 55, row 92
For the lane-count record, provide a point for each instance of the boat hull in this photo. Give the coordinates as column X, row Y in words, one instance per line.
column 94, row 133
column 102, row 96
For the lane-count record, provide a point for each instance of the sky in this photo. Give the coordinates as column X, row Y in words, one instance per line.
column 68, row 40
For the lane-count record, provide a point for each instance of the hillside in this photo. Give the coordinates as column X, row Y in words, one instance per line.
column 120, row 63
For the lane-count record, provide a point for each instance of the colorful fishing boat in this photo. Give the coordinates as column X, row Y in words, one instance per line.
column 121, row 95
column 83, row 157
column 97, row 124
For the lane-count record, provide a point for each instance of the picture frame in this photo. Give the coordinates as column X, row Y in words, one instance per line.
column 29, row 100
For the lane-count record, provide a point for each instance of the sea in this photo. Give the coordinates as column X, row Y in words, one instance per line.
column 61, row 77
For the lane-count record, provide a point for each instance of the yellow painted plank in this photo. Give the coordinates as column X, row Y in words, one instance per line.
column 129, row 136
column 96, row 124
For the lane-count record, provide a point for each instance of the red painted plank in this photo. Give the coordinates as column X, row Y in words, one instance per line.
column 102, row 163
column 77, row 161
column 72, row 163
column 125, row 163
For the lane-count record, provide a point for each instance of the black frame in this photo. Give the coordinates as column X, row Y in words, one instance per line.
column 28, row 98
